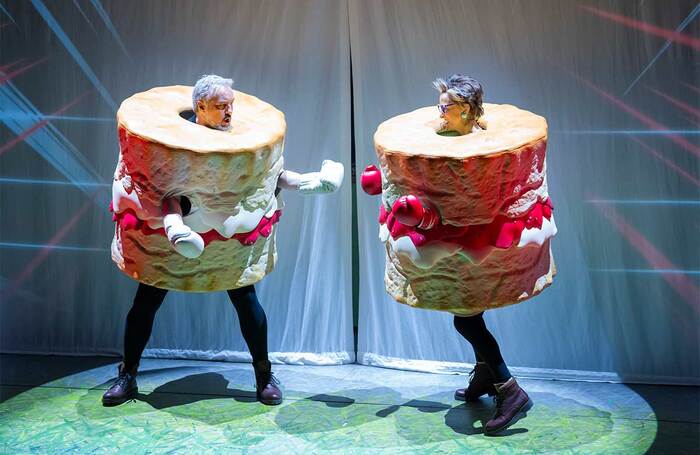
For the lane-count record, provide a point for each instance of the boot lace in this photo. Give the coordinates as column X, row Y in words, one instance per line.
column 122, row 381
column 273, row 380
column 498, row 399
column 471, row 375
column 267, row 378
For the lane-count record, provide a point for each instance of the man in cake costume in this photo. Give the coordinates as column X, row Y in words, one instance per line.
column 196, row 196
column 467, row 221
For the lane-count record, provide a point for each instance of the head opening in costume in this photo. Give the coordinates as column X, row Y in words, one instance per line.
column 460, row 103
column 212, row 101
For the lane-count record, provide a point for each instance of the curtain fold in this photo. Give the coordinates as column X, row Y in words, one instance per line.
column 624, row 304
column 71, row 298
column 614, row 307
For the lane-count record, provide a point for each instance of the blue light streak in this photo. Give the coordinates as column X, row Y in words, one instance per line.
column 110, row 26
column 39, row 182
column 34, row 246
column 7, row 13
column 50, row 144
column 73, row 51
column 650, row 271
column 35, row 117
column 75, row 2
column 666, row 45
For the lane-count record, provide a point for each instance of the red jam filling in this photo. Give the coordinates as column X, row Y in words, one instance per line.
column 476, row 240
column 128, row 221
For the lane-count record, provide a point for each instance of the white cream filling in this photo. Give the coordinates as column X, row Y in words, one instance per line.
column 423, row 257
column 538, row 236
column 198, row 220
column 243, row 221
column 384, row 234
column 122, row 200
column 427, row 256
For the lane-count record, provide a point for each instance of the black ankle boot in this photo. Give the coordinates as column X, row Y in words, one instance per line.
column 480, row 383
column 123, row 389
column 266, row 384
column 512, row 404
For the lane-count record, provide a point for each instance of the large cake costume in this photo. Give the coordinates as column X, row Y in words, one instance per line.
column 229, row 177
column 466, row 219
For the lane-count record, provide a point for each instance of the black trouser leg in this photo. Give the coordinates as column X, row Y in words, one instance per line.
column 139, row 322
column 473, row 329
column 252, row 319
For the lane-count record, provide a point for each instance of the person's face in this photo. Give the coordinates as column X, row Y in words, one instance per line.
column 451, row 112
column 215, row 111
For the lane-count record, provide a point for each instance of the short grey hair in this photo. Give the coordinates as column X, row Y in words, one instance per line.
column 464, row 90
column 207, row 86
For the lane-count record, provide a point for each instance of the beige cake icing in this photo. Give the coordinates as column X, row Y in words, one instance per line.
column 230, row 178
column 471, row 180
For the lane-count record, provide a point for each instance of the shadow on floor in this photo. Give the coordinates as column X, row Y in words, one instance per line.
column 194, row 388
column 206, row 397
column 556, row 423
column 203, row 397
column 677, row 410
column 372, row 417
column 29, row 371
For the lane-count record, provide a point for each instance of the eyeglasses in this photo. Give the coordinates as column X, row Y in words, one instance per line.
column 443, row 107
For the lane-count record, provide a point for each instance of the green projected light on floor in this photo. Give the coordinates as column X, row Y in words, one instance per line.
column 210, row 407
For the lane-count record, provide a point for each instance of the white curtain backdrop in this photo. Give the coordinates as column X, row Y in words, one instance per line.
column 624, row 304
column 609, row 313
column 294, row 55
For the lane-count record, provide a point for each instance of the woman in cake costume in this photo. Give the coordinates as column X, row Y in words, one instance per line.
column 467, row 221
column 196, row 196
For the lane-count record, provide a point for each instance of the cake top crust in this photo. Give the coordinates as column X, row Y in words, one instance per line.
column 154, row 115
column 416, row 133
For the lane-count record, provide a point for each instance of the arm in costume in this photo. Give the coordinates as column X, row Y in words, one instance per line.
column 185, row 241
column 327, row 180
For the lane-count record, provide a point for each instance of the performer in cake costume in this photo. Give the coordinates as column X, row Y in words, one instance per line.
column 196, row 196
column 467, row 221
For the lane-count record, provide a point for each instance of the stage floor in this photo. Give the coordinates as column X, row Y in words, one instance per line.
column 51, row 404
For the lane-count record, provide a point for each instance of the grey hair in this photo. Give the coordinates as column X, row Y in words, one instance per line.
column 464, row 90
column 207, row 86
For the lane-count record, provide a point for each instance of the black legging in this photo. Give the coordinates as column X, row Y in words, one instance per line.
column 473, row 329
column 139, row 321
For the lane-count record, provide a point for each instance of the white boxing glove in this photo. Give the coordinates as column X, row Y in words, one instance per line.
column 185, row 241
column 327, row 180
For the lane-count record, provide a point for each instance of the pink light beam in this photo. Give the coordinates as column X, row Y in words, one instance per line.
column 668, row 34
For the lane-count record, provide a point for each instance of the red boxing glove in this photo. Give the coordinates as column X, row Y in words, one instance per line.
column 390, row 223
column 266, row 227
column 509, row 234
column 408, row 210
column 411, row 212
column 371, row 180
column 547, row 209
column 129, row 221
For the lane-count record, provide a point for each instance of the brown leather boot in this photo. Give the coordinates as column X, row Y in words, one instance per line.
column 512, row 404
column 123, row 389
column 480, row 383
column 266, row 384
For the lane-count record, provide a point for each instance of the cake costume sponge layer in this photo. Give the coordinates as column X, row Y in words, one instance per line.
column 466, row 219
column 229, row 178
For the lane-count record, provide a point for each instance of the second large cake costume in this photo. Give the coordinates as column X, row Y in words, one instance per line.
column 466, row 219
